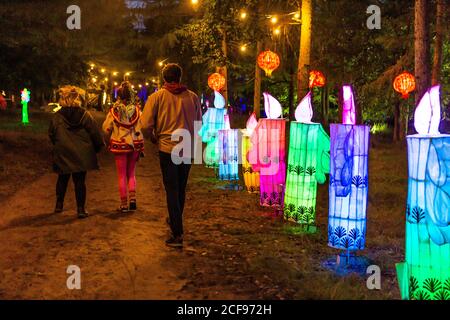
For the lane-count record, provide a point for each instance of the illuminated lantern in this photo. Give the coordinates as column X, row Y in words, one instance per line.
column 425, row 274
column 308, row 163
column 213, row 121
column 316, row 79
column 251, row 177
column 404, row 84
column 268, row 61
column 216, row 81
column 268, row 154
column 228, row 152
column 25, row 98
column 348, row 189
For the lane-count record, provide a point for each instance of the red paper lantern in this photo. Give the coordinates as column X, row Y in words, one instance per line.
column 216, row 81
column 404, row 84
column 316, row 79
column 268, row 61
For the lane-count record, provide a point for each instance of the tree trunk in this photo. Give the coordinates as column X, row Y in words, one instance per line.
column 437, row 59
column 224, row 70
column 421, row 48
column 257, row 90
column 397, row 121
column 305, row 49
column 325, row 104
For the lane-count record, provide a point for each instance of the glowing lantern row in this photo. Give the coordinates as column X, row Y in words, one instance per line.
column 268, row 61
column 228, row 152
column 308, row 163
column 268, row 154
column 25, row 98
column 405, row 83
column 348, row 188
column 316, row 79
column 251, row 177
column 213, row 121
column 425, row 274
column 216, row 81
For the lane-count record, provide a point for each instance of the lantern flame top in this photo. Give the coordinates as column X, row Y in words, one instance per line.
column 219, row 100
column 304, row 111
column 348, row 107
column 252, row 123
column 272, row 107
column 428, row 112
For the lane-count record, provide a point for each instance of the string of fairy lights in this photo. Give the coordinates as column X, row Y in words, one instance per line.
column 101, row 75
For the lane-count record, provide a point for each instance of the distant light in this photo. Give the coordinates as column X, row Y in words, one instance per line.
column 140, row 86
column 127, row 74
column 92, row 66
column 115, row 73
column 194, row 2
column 243, row 48
column 94, row 80
column 115, row 83
column 146, row 83
column 160, row 63
column 103, row 71
column 243, row 15
column 297, row 15
column 153, row 80
column 274, row 19
column 277, row 31
column 106, row 79
column 132, row 87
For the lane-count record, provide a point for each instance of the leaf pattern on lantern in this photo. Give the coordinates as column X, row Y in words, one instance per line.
column 340, row 232
column 432, row 285
column 310, row 171
column 340, row 238
column 417, row 215
column 332, row 180
column 421, row 295
column 359, row 182
column 430, row 289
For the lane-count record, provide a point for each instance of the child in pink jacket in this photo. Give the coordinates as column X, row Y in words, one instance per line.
column 126, row 142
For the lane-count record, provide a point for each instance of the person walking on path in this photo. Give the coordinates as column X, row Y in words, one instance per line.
column 76, row 140
column 167, row 111
column 123, row 128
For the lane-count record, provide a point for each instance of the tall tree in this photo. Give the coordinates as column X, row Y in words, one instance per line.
column 438, row 44
column 305, row 49
column 421, row 48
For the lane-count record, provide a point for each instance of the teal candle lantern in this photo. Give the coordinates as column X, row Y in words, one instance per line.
column 425, row 274
column 213, row 121
column 348, row 187
column 308, row 162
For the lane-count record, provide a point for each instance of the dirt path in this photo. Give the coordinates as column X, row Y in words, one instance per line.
column 119, row 256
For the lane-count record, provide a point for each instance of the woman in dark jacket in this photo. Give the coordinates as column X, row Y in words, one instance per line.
column 76, row 139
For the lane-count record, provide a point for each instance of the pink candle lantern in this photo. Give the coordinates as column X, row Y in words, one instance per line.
column 268, row 154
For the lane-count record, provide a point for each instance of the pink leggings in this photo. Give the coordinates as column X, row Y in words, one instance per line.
column 126, row 167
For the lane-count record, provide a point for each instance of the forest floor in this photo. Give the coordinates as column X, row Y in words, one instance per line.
column 234, row 249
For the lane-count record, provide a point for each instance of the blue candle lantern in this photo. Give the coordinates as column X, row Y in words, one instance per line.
column 213, row 121
column 228, row 152
column 425, row 274
column 348, row 189
column 308, row 162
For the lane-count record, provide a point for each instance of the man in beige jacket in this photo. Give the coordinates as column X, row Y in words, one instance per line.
column 167, row 113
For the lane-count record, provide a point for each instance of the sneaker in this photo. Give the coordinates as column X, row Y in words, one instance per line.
column 82, row 213
column 133, row 205
column 59, row 207
column 123, row 209
column 175, row 242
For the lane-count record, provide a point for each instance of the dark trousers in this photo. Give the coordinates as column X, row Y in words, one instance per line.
column 79, row 181
column 175, row 179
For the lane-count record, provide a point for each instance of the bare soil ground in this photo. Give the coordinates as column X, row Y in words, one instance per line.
column 233, row 248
